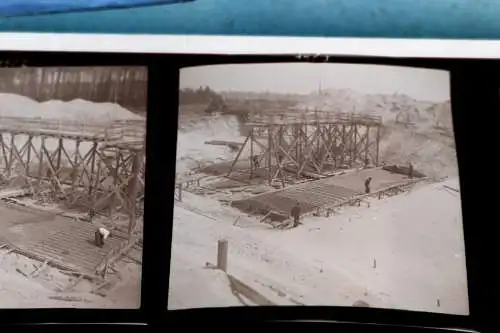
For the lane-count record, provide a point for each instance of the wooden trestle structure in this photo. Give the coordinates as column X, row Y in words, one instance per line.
column 91, row 167
column 310, row 145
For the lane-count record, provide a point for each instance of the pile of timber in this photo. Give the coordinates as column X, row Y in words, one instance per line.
column 304, row 173
column 231, row 144
column 115, row 255
column 403, row 170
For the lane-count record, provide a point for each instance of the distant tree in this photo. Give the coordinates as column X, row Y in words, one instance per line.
column 202, row 95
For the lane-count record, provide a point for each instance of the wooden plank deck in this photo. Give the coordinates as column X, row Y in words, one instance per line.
column 62, row 241
column 325, row 192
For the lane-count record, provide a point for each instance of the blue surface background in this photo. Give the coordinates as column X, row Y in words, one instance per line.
column 472, row 19
column 11, row 8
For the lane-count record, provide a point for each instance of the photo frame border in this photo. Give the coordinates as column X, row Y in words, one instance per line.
column 470, row 85
column 474, row 85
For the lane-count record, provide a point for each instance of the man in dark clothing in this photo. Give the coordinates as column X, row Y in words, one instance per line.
column 255, row 160
column 99, row 238
column 410, row 171
column 367, row 185
column 91, row 214
column 296, row 214
column 100, row 235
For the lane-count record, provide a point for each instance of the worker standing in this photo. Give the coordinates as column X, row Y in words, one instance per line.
column 296, row 214
column 410, row 170
column 255, row 160
column 367, row 185
column 91, row 214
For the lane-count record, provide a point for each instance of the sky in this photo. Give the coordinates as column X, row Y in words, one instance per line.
column 421, row 84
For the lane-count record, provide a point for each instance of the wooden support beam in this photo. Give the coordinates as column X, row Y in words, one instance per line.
column 92, row 167
column 377, row 162
column 367, row 145
column 270, row 155
column 4, row 152
column 133, row 190
column 40, row 165
column 116, row 254
column 28, row 159
column 238, row 155
column 11, row 154
column 60, row 146
column 251, row 152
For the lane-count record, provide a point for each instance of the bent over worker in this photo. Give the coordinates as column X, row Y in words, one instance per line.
column 100, row 235
column 296, row 214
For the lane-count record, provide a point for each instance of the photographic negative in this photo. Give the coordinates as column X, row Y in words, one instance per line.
column 317, row 184
column 72, row 143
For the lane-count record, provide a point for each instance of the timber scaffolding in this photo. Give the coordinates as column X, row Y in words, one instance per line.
column 97, row 167
column 310, row 144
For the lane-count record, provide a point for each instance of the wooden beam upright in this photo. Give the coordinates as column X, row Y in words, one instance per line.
column 133, row 189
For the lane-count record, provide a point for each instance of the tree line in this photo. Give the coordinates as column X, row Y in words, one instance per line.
column 126, row 86
column 201, row 95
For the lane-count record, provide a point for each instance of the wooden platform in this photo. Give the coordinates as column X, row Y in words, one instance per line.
column 113, row 131
column 326, row 192
column 64, row 242
column 312, row 118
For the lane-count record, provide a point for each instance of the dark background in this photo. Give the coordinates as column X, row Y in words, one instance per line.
column 475, row 107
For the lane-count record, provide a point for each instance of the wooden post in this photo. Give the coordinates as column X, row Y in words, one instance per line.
column 270, row 154
column 115, row 171
column 92, row 167
column 354, row 143
column 238, row 156
column 180, row 191
column 222, row 247
column 298, row 144
column 367, row 147
column 335, row 145
column 11, row 154
column 133, row 189
column 28, row 159
column 305, row 147
column 378, row 145
column 279, row 154
column 318, row 130
column 251, row 153
column 59, row 152
column 97, row 183
column 40, row 166
column 343, row 152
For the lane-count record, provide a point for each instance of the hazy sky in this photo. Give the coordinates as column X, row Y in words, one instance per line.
column 421, row 84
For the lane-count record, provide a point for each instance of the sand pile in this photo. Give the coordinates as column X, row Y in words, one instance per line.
column 433, row 155
column 195, row 131
column 12, row 105
column 76, row 111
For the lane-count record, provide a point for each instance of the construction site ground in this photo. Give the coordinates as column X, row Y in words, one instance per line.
column 51, row 242
column 367, row 253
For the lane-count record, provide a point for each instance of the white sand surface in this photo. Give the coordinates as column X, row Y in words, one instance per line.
column 405, row 252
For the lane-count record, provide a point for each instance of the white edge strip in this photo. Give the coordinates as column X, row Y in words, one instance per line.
column 238, row 45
